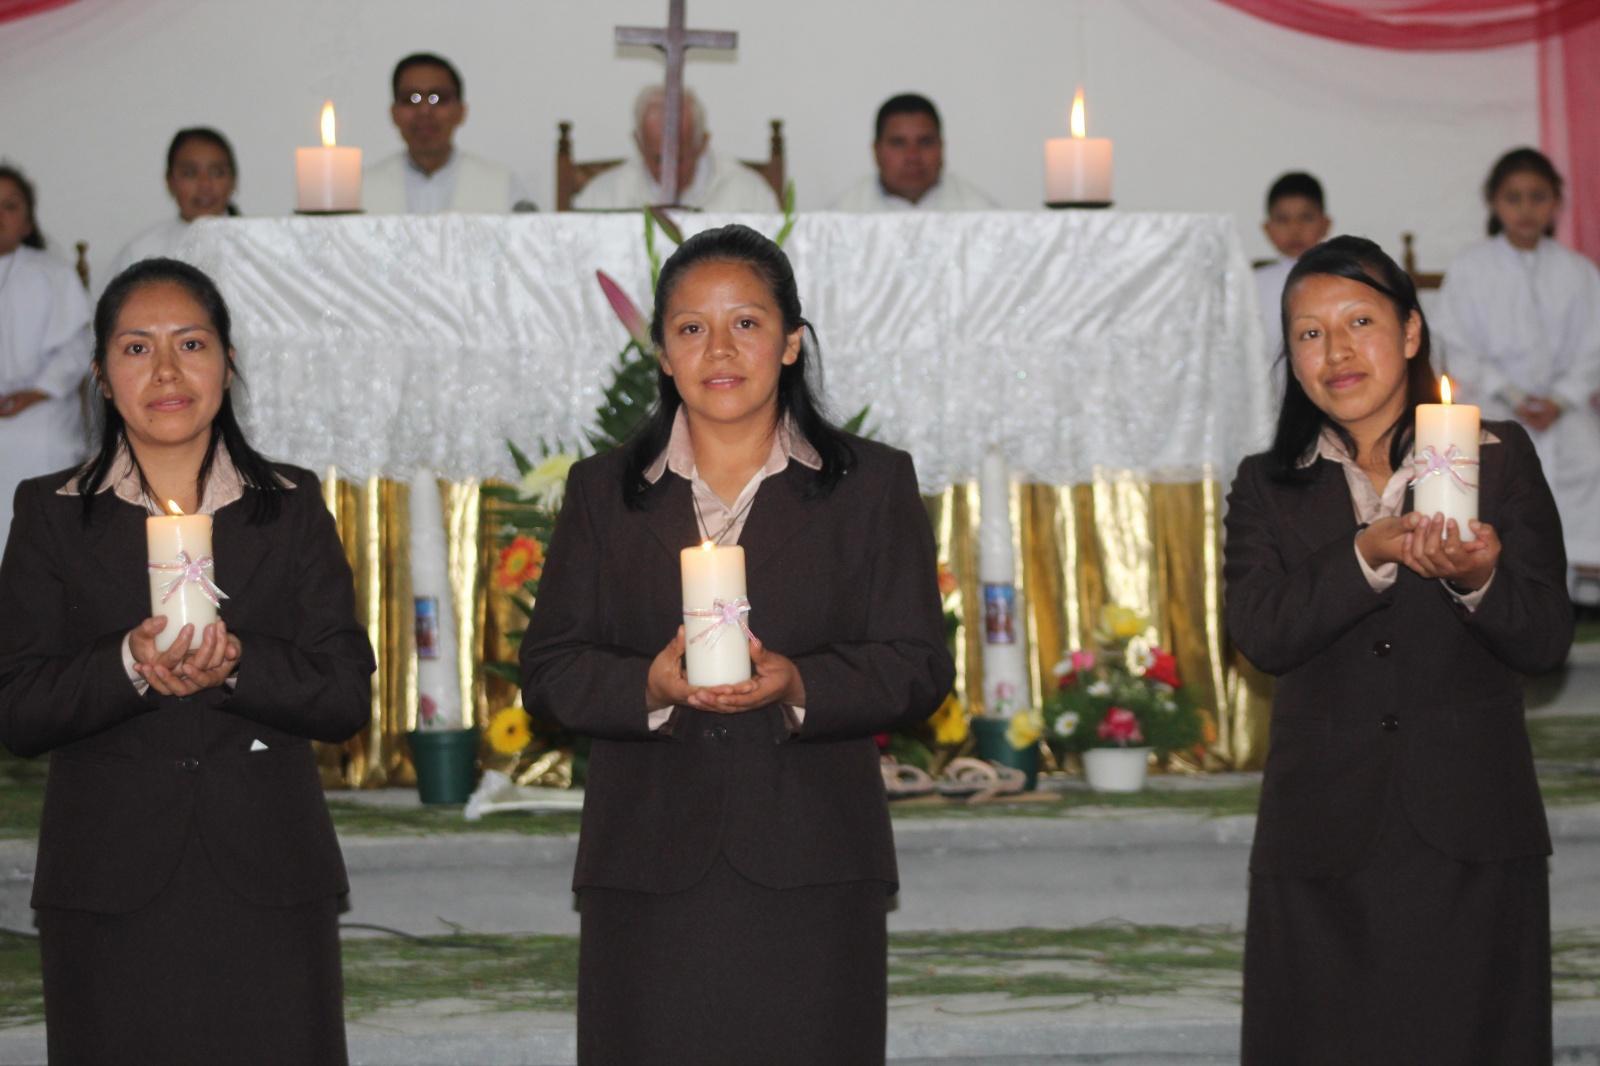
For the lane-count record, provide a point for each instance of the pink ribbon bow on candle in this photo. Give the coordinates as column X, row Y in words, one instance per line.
column 190, row 570
column 727, row 613
column 1430, row 462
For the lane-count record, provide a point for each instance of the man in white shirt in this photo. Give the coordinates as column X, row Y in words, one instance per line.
column 908, row 146
column 1296, row 222
column 706, row 180
column 432, row 175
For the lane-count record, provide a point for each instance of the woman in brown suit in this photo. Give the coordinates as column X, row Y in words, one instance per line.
column 736, row 862
column 188, row 879
column 1399, row 901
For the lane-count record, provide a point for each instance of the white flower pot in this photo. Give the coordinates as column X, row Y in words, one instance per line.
column 1116, row 769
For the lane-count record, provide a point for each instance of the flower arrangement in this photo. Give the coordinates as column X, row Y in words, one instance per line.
column 1126, row 693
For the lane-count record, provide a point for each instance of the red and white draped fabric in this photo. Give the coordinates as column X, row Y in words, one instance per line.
column 1568, row 36
column 16, row 9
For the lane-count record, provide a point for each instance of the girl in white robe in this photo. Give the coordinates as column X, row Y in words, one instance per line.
column 44, row 349
column 201, row 178
column 1520, row 322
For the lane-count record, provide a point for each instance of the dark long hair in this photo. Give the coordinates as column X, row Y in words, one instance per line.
column 254, row 469
column 1300, row 421
column 34, row 239
column 1519, row 161
column 205, row 135
column 797, row 393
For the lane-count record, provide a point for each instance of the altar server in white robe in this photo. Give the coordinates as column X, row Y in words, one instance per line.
column 706, row 180
column 432, row 175
column 202, row 175
column 1296, row 222
column 908, row 148
column 44, row 348
column 1520, row 320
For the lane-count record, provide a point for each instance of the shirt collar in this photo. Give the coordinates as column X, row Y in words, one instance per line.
column 678, row 456
column 224, row 484
column 449, row 166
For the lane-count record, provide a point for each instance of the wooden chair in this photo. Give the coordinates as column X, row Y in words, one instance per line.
column 1423, row 279
column 572, row 175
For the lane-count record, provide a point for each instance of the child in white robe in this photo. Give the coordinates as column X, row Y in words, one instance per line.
column 44, row 349
column 202, row 175
column 1520, row 321
column 1296, row 222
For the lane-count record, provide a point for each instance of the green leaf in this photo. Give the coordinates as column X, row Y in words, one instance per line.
column 669, row 227
column 789, row 215
column 505, row 672
column 522, row 461
column 858, row 421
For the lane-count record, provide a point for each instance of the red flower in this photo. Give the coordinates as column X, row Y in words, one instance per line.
column 882, row 740
column 1122, row 726
column 1164, row 669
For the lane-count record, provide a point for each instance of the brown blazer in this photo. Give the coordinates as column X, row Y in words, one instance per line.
column 844, row 584
column 132, row 777
column 1402, row 693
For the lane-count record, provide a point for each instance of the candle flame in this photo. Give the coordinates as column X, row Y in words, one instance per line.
column 328, row 139
column 173, row 508
column 1444, row 388
column 706, row 545
column 1079, row 127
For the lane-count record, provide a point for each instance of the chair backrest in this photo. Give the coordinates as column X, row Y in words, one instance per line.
column 572, row 175
column 1423, row 279
column 83, row 263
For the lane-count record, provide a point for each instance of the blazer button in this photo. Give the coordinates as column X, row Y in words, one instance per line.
column 1389, row 723
column 1381, row 648
column 716, row 732
column 191, row 764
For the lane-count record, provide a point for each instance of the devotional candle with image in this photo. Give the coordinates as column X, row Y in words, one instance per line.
column 179, row 551
column 716, row 650
column 1445, row 460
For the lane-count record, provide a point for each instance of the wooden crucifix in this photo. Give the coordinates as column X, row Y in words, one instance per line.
column 674, row 41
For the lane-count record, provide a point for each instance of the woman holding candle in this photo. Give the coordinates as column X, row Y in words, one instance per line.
column 736, row 860
column 188, row 879
column 1399, row 905
column 201, row 178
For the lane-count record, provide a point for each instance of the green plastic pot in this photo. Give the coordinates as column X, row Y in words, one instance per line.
column 993, row 745
column 446, row 762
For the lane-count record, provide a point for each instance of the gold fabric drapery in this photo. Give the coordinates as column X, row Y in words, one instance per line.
column 1154, row 547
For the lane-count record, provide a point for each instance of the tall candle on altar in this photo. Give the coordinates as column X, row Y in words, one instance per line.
column 179, row 549
column 1077, row 169
column 327, row 178
column 716, row 650
column 1445, row 463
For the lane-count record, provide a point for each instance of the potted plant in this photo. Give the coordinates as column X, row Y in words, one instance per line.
column 1117, row 703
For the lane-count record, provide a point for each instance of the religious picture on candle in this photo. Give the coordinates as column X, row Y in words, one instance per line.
column 1000, row 614
column 1444, row 464
column 427, row 610
column 180, row 567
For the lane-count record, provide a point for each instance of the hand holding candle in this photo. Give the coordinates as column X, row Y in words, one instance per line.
column 1444, row 467
column 327, row 179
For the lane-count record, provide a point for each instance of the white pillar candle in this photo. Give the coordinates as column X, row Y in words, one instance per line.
column 1005, row 659
column 716, row 651
column 1445, row 460
column 1077, row 169
column 327, row 178
column 175, row 542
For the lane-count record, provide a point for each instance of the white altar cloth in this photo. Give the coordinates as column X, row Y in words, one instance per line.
column 1079, row 342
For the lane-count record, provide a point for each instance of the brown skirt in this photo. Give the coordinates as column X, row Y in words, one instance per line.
column 731, row 973
column 197, row 976
column 1417, row 958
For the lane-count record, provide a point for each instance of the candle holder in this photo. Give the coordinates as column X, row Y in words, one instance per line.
column 1080, row 205
column 352, row 211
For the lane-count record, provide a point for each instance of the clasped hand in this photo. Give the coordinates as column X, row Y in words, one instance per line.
column 774, row 678
column 180, row 671
column 1433, row 548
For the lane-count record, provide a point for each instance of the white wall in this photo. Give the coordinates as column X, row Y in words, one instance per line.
column 1206, row 105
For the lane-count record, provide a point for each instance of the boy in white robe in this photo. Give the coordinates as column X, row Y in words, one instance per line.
column 44, row 349
column 908, row 148
column 1296, row 222
column 1519, row 319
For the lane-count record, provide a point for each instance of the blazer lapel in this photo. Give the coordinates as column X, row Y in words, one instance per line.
column 669, row 515
column 239, row 548
column 115, row 542
column 778, row 513
column 1323, row 508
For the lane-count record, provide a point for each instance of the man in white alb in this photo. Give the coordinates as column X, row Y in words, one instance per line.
column 908, row 146
column 706, row 180
column 432, row 175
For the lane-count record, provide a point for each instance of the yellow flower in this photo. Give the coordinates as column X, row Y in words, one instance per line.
column 1124, row 622
column 509, row 730
column 950, row 722
column 546, row 483
column 1025, row 729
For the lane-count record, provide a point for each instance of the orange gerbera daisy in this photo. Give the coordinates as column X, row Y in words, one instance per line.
column 520, row 562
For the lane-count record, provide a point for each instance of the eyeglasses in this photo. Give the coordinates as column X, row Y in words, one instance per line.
column 431, row 98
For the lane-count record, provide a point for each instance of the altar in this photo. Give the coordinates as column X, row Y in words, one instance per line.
column 1115, row 359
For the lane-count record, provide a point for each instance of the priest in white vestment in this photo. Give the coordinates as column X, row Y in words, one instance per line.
column 202, row 175
column 44, row 350
column 706, row 180
column 908, row 148
column 432, row 175
column 1521, row 331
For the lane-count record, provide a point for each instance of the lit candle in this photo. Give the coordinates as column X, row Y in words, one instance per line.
column 717, row 651
column 1444, row 470
column 178, row 546
column 1077, row 169
column 327, row 178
